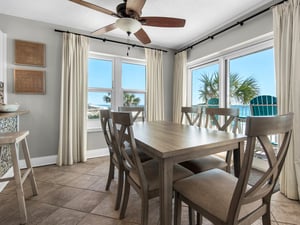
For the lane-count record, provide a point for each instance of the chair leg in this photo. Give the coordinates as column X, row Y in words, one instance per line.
column 177, row 209
column 19, row 185
column 266, row 218
column 191, row 216
column 29, row 166
column 110, row 173
column 120, row 188
column 199, row 219
column 125, row 198
column 145, row 209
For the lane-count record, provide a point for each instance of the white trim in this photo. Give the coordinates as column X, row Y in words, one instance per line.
column 39, row 161
column 97, row 153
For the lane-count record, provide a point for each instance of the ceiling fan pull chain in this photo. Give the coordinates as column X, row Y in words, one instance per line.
column 128, row 48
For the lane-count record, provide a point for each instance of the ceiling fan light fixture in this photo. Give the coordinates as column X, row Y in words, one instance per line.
column 128, row 25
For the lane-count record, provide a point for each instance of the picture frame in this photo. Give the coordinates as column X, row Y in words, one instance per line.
column 29, row 81
column 29, row 53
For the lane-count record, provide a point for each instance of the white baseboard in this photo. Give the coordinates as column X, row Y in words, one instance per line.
column 97, row 153
column 50, row 160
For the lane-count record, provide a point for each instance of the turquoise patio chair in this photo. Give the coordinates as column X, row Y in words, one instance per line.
column 263, row 105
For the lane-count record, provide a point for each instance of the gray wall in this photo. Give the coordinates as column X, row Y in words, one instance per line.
column 43, row 119
column 258, row 26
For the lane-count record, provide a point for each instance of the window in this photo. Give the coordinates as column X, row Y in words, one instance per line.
column 234, row 76
column 113, row 82
column 205, row 84
column 133, row 84
column 251, row 75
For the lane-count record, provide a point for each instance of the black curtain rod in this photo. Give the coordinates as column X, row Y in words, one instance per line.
column 241, row 23
column 113, row 41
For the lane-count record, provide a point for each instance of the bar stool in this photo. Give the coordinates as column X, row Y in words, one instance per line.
column 14, row 140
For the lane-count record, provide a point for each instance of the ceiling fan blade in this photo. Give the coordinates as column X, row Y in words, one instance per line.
column 95, row 7
column 142, row 36
column 162, row 21
column 134, row 6
column 105, row 29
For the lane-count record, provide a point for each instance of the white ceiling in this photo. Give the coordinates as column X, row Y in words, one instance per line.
column 202, row 16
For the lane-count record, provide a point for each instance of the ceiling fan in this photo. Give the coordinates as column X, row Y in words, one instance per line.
column 130, row 20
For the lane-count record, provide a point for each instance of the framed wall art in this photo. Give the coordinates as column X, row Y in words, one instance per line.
column 29, row 53
column 29, row 81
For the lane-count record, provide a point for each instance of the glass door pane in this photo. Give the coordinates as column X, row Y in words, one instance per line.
column 205, row 85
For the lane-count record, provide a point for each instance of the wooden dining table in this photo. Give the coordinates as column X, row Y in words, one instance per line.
column 172, row 143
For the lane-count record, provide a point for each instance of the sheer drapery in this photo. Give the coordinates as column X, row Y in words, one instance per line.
column 179, row 85
column 286, row 25
column 73, row 105
column 155, row 85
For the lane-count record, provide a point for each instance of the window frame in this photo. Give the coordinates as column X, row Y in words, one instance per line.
column 116, row 90
column 223, row 57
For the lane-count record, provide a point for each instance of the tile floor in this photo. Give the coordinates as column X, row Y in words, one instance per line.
column 75, row 195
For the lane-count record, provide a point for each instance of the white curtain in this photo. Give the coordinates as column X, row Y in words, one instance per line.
column 155, row 85
column 73, row 102
column 286, row 25
column 179, row 85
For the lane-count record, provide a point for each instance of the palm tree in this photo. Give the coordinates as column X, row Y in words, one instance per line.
column 241, row 90
column 129, row 99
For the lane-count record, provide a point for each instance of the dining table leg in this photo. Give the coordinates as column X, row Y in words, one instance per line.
column 238, row 155
column 166, row 190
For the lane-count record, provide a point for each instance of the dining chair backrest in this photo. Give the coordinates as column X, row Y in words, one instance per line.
column 222, row 118
column 137, row 111
column 106, row 124
column 258, row 129
column 263, row 105
column 124, row 136
column 192, row 114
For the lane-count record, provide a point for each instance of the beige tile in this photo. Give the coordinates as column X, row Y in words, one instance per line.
column 86, row 201
column 8, row 206
column 100, row 185
column 37, row 212
column 83, row 181
column 106, row 207
column 79, row 168
column 91, row 219
column 64, row 216
column 286, row 212
column 44, row 188
column 61, row 196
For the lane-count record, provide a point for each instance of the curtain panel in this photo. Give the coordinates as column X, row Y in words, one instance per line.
column 154, row 85
column 286, row 25
column 179, row 85
column 73, row 102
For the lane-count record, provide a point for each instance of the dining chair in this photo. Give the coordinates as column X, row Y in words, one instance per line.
column 143, row 177
column 223, row 119
column 135, row 110
column 226, row 200
column 115, row 160
column 193, row 115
